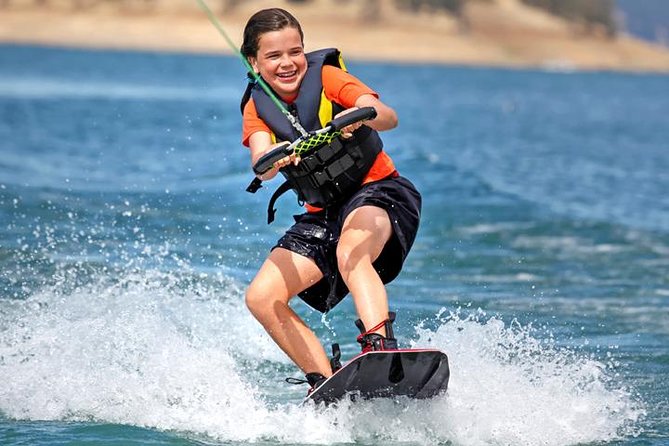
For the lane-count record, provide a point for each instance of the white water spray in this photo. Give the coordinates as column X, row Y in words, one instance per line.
column 152, row 349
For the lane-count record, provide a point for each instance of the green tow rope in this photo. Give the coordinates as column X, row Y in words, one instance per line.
column 214, row 21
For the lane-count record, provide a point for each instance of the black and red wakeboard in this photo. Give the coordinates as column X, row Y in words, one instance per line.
column 420, row 373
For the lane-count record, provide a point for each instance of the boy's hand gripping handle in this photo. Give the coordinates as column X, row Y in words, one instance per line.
column 361, row 114
column 266, row 162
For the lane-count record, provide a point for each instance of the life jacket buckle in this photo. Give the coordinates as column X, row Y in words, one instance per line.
column 254, row 185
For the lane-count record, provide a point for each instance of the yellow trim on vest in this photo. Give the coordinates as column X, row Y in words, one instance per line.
column 342, row 65
column 273, row 137
column 324, row 110
column 325, row 107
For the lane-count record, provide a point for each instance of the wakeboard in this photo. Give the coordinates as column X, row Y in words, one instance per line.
column 420, row 373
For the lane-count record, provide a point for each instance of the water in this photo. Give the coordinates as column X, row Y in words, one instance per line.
column 126, row 241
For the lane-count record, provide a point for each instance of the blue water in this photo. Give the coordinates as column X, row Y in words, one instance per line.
column 126, row 240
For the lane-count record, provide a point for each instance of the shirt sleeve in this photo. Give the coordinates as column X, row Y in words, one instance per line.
column 251, row 123
column 342, row 87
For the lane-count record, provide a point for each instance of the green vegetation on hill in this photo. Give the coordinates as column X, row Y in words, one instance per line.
column 593, row 15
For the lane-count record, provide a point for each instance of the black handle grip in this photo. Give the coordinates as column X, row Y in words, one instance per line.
column 361, row 114
column 266, row 161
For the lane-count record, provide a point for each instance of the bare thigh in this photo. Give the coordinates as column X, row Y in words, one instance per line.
column 365, row 232
column 283, row 275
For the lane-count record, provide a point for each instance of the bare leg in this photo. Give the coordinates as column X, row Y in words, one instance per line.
column 364, row 234
column 282, row 276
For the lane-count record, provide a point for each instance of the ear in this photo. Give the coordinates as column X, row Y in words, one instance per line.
column 254, row 64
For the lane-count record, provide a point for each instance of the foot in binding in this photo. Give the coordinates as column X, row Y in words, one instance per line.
column 369, row 340
column 314, row 379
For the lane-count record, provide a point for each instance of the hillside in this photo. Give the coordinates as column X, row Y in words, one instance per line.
column 483, row 32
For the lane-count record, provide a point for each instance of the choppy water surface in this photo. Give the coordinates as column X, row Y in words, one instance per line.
column 126, row 241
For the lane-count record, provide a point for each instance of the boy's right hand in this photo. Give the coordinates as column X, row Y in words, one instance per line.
column 290, row 159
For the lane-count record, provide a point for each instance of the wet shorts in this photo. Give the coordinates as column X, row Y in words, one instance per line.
column 315, row 235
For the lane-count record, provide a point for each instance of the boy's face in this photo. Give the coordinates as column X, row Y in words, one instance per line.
column 281, row 61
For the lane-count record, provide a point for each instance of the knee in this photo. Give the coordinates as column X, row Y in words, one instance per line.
column 256, row 300
column 347, row 259
column 261, row 301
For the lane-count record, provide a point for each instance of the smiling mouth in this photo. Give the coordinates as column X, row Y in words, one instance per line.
column 287, row 75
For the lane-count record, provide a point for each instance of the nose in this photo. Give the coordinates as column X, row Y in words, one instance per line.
column 286, row 61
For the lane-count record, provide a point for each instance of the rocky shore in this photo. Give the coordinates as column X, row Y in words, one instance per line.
column 496, row 33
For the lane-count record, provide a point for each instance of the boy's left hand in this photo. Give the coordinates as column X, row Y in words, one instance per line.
column 347, row 132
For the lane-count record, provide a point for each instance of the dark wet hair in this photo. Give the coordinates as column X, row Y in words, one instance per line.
column 263, row 21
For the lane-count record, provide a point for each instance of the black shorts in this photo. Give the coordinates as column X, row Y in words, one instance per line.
column 315, row 235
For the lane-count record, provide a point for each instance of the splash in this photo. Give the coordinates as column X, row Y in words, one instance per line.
column 180, row 352
column 149, row 349
column 508, row 387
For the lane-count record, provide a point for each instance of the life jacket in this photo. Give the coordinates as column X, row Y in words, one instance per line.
column 329, row 174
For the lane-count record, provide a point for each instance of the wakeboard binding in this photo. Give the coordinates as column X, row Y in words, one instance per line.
column 369, row 340
column 335, row 361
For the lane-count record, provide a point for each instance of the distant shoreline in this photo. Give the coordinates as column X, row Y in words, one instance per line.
column 544, row 47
